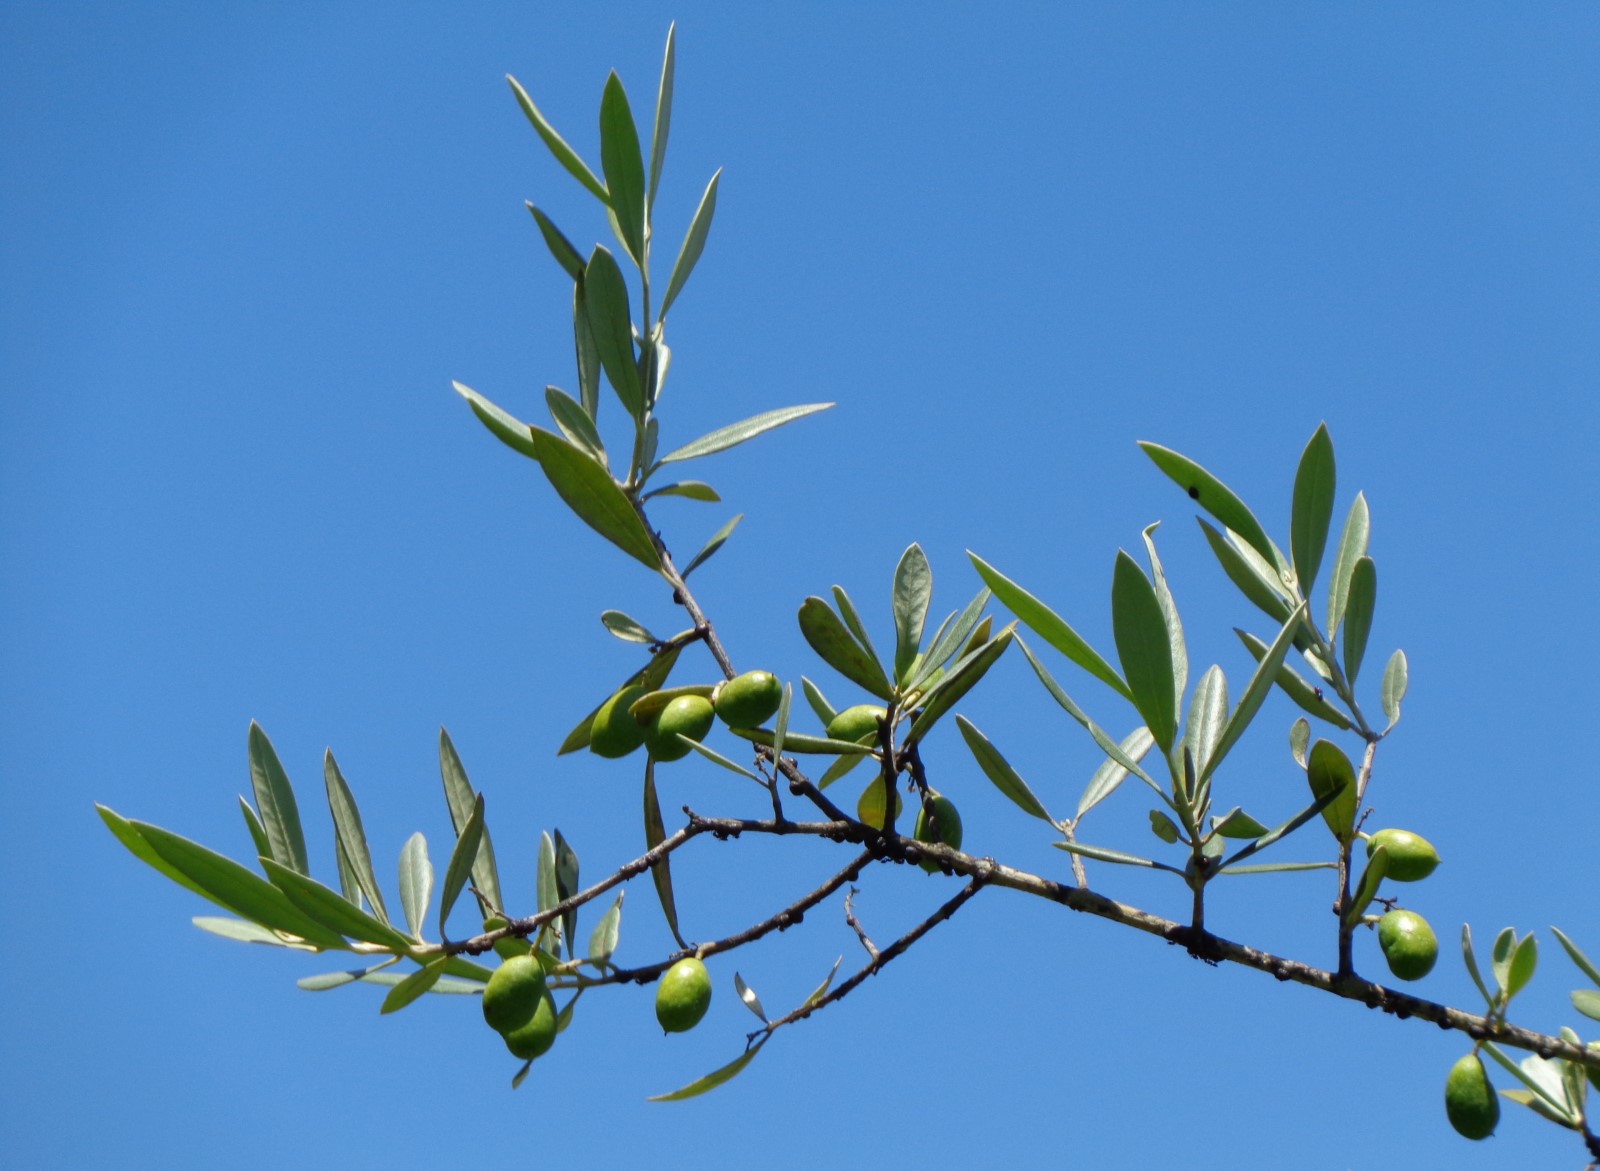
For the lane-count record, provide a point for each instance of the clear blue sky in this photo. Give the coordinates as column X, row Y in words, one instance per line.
column 246, row 250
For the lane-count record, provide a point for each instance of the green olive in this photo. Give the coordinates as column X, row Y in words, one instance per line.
column 855, row 722
column 614, row 732
column 512, row 993
column 748, row 700
column 683, row 995
column 508, row 946
column 1411, row 858
column 945, row 820
column 690, row 715
column 1470, row 1100
column 535, row 1035
column 1408, row 944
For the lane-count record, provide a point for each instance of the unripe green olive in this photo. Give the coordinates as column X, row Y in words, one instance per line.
column 512, row 993
column 1408, row 944
column 615, row 733
column 855, row 722
column 691, row 715
column 683, row 995
column 1469, row 1099
column 508, row 946
column 535, row 1035
column 748, row 700
column 1411, row 858
column 948, row 827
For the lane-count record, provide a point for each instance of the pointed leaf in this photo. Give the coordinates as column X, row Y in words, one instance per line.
column 567, row 256
column 1367, row 889
column 1393, row 687
column 841, row 768
column 1329, row 771
column 1255, row 691
column 913, row 589
column 736, row 433
column 948, row 641
column 1208, row 716
column 240, row 930
column 414, row 985
column 352, row 838
column 717, row 758
column 1100, row 854
column 1472, row 964
column 623, row 166
column 750, row 999
column 1215, row 497
column 651, row 676
column 654, row 834
column 593, row 495
column 623, row 627
column 123, row 830
column 713, row 1079
column 694, row 243
column 1524, row 958
column 603, row 939
column 1305, row 696
column 545, row 875
column 1143, row 649
column 326, row 981
column 461, row 800
column 331, row 909
column 574, row 422
column 716, row 542
column 416, row 883
column 688, row 489
column 258, row 835
column 1169, row 612
column 795, row 742
column 563, row 153
column 1107, row 745
column 586, row 354
column 1044, row 622
column 1236, row 823
column 280, row 816
column 837, row 647
column 566, row 887
column 824, row 710
column 462, row 857
column 1359, row 605
column 658, row 139
column 821, row 989
column 511, row 431
column 1252, row 576
column 964, row 675
column 1313, row 507
column 780, row 724
column 999, row 771
column 1110, row 774
column 1352, row 547
column 1577, row 957
column 605, row 299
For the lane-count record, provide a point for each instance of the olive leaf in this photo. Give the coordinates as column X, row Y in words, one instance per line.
column 694, row 243
column 913, row 590
column 1216, row 498
column 563, row 153
column 567, row 256
column 623, row 167
column 838, row 647
column 594, row 497
column 736, row 433
column 1144, row 649
column 1312, row 508
column 280, row 815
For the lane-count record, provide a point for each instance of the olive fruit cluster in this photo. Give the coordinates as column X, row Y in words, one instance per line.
column 517, row 1004
column 1408, row 943
column 635, row 717
column 683, row 995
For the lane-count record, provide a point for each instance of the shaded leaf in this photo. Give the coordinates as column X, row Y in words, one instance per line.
column 948, row 641
column 414, row 985
column 780, row 723
column 1471, row 962
column 1164, row 827
column 1215, row 497
column 999, row 771
column 1312, row 507
column 819, row 703
column 1111, row 773
column 625, row 628
column 510, row 430
column 810, row 745
column 462, row 857
column 843, row 767
column 651, row 676
column 567, row 256
column 331, row 909
column 252, row 823
column 593, row 495
column 326, row 981
column 416, row 883
column 1236, row 823
column 566, row 887
column 563, row 153
column 603, row 939
column 750, row 999
column 623, row 166
column 1169, row 612
column 1044, row 622
column 1359, row 605
column 1577, row 957
column 736, row 433
column 1100, row 854
column 837, row 647
column 586, row 353
column 1304, row 695
column 688, row 489
column 1278, row 868
column 605, row 300
column 280, row 815
column 1251, row 575
column 460, row 800
column 574, row 422
column 1524, row 959
column 1255, row 691
column 1299, row 740
column 821, row 989
column 351, row 837
column 962, row 678
column 1328, row 771
column 694, row 243
column 1107, row 745
column 713, row 1079
column 716, row 542
column 654, row 834
column 239, row 930
column 1143, row 649
column 658, row 138
column 1352, row 547
column 1367, row 889
column 913, row 590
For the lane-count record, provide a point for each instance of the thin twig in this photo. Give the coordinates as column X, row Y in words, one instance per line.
column 855, row 924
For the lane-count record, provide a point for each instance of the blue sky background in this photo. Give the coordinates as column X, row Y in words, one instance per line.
column 248, row 247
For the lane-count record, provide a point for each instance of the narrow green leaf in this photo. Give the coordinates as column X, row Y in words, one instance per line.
column 586, row 353
column 563, row 153
column 351, row 837
column 1044, row 622
column 521, row 1075
column 460, row 865
column 413, row 986
column 694, row 243
column 252, row 823
column 718, row 539
column 1587, row 1001
column 1238, row 824
column 280, row 816
column 1577, row 957
column 819, row 703
column 545, row 874
column 651, row 676
column 736, row 433
column 1299, row 740
column 1305, row 696
column 913, row 590
column 1107, row 745
column 593, row 495
column 1142, row 648
column 749, row 998
column 460, row 799
column 1164, row 827
column 1278, row 868
column 1215, row 497
column 349, row 884
column 508, row 429
column 326, row 981
column 1255, row 691
column 654, row 834
column 626, row 628
column 713, row 1079
column 658, row 138
column 1169, row 613
column 1524, row 959
column 1328, row 771
column 1367, row 889
column 1111, row 773
column 603, row 939
column 841, row 768
column 566, row 887
column 1362, row 599
column 240, row 930
column 963, row 676
column 688, row 489
column 780, row 724
column 821, row 989
column 1540, row 1077
column 717, row 758
column 416, row 883
column 1100, row 854
column 1352, row 547
column 805, row 745
column 574, row 422
column 1312, row 507
column 228, row 884
column 332, row 910
column 999, row 771
column 1250, row 575
column 123, row 830
column 1472, row 964
column 948, row 641
column 605, row 299
column 853, row 623
column 567, row 256
column 1208, row 716
column 1393, row 687
column 623, row 166
column 836, row 646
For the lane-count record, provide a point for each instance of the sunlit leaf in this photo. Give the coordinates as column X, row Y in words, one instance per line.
column 461, row 859
column 563, row 153
column 713, row 1079
column 1107, row 745
column 603, row 939
column 1582, row 961
column 658, row 139
column 1100, row 854
column 239, row 930
column 1251, row 575
column 1208, row 716
column 688, row 489
column 1396, row 678
column 1143, row 649
column 819, row 703
column 507, row 428
column 1359, row 605
column 567, row 256
column 1328, row 770
column 331, row 909
column 625, row 628
column 1236, row 823
column 1524, row 959
column 718, row 539
column 586, row 353
column 913, row 590
column 1215, row 497
column 1169, row 612
column 806, row 745
column 460, row 800
column 280, row 815
column 605, row 299
column 999, row 771
column 416, row 883
column 651, row 676
column 1313, row 507
column 1587, row 1001
column 749, row 998
column 1304, row 695
column 1111, row 773
column 574, row 423
column 948, row 641
column 1164, row 827
column 821, row 989
column 1352, row 547
column 694, row 243
column 593, row 495
column 326, row 981
column 1471, row 962
column 962, row 677
column 654, row 834
column 1367, row 889
column 836, row 646
column 414, row 985
column 623, row 166
column 1255, row 691
column 736, row 433
column 352, row 838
